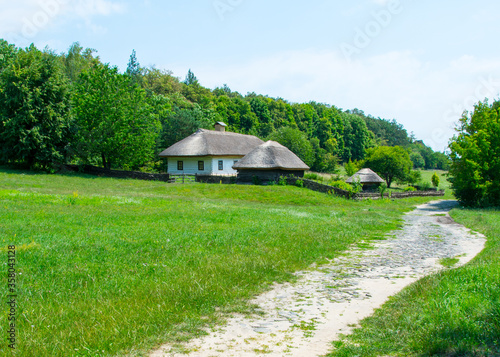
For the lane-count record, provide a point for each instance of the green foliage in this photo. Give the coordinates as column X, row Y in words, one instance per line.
column 418, row 160
column 356, row 137
column 7, row 53
column 34, row 109
column 296, row 141
column 183, row 122
column 352, row 167
column 299, row 183
column 424, row 186
column 409, row 189
column 77, row 60
column 435, row 180
column 357, row 186
column 190, row 78
column 161, row 82
column 382, row 188
column 314, row 176
column 256, row 180
column 414, row 177
column 282, row 181
column 323, row 160
column 387, row 132
column 134, row 70
column 389, row 162
column 341, row 184
column 442, row 161
column 116, row 123
column 475, row 156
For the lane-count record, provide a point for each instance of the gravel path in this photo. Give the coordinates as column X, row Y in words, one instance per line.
column 302, row 319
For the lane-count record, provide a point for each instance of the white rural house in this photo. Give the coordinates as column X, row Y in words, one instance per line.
column 209, row 152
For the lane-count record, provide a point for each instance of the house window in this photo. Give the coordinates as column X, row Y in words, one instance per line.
column 221, row 165
column 201, row 165
column 180, row 165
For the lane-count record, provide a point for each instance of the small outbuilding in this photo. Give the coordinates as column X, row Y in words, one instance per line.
column 268, row 162
column 368, row 178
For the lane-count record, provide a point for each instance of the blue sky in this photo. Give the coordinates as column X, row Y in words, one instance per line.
column 419, row 62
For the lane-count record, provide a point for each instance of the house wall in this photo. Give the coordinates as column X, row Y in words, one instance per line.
column 227, row 165
column 211, row 165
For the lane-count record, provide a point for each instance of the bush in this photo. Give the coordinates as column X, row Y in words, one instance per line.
column 435, row 180
column 256, row 180
column 409, row 189
column 357, row 186
column 424, row 186
column 382, row 188
column 314, row 176
column 299, row 183
column 340, row 184
column 282, row 181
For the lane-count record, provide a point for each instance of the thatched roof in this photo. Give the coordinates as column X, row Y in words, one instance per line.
column 271, row 155
column 213, row 143
column 365, row 176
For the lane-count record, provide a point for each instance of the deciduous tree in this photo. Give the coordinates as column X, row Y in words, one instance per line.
column 34, row 110
column 117, row 126
column 389, row 162
column 475, row 157
column 297, row 142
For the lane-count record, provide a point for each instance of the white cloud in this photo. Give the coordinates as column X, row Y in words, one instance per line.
column 23, row 20
column 424, row 98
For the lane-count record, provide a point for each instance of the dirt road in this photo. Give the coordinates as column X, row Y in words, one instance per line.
column 304, row 318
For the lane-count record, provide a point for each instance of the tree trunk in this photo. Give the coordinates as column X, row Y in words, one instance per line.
column 104, row 163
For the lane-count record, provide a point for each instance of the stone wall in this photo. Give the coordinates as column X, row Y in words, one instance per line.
column 99, row 171
column 417, row 194
column 319, row 187
column 372, row 195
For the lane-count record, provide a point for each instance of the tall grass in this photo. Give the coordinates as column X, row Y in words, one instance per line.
column 116, row 267
column 454, row 313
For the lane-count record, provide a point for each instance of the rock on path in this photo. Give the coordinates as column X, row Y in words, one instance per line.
column 302, row 319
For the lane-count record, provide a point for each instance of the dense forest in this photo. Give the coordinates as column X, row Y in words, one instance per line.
column 73, row 108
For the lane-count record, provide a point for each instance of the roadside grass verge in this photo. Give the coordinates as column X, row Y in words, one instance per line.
column 452, row 313
column 112, row 267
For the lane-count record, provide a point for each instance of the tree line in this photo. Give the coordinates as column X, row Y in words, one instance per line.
column 71, row 107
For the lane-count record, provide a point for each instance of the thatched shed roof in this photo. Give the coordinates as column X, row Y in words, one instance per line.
column 365, row 176
column 271, row 155
column 213, row 143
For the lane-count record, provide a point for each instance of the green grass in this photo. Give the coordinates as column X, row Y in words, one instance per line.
column 453, row 313
column 112, row 267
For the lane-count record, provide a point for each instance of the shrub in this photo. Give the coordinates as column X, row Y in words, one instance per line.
column 409, row 189
column 282, row 181
column 357, row 186
column 256, row 180
column 314, row 176
column 424, row 186
column 340, row 184
column 382, row 188
column 435, row 180
column 299, row 183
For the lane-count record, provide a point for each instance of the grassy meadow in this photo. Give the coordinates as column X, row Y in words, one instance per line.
column 112, row 267
column 453, row 313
